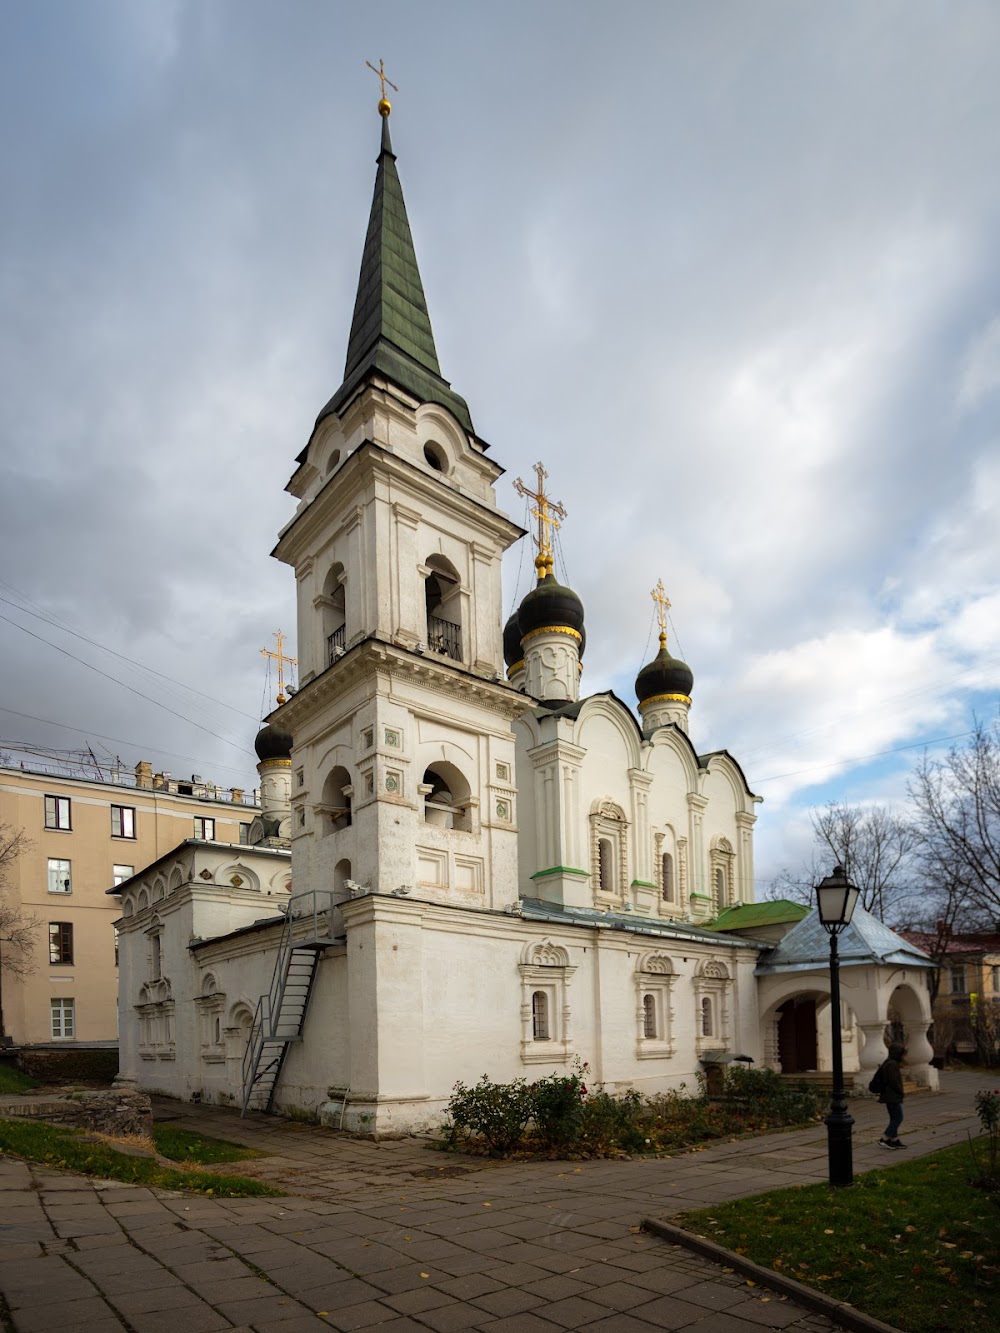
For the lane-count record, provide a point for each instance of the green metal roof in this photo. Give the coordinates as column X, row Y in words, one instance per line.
column 391, row 331
column 748, row 916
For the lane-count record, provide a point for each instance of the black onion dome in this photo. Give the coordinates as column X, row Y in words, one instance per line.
column 664, row 675
column 271, row 743
column 512, row 641
column 551, row 605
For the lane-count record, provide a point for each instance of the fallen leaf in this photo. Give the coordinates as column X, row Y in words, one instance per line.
column 425, row 1274
column 828, row 1232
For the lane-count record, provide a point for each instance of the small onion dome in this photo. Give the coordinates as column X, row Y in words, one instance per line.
column 272, row 743
column 551, row 605
column 511, row 641
column 664, row 675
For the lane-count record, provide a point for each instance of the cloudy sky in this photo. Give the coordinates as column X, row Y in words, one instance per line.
column 730, row 268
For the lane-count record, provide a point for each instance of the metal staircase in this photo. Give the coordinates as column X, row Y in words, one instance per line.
column 281, row 1012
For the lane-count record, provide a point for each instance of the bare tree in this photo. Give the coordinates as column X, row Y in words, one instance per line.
column 18, row 928
column 957, row 804
column 874, row 844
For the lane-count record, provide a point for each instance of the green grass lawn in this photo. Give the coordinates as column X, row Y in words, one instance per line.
column 13, row 1081
column 915, row 1245
column 56, row 1146
column 181, row 1145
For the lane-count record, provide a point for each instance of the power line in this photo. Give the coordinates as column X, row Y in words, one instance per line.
column 125, row 686
column 56, row 623
column 139, row 746
column 863, row 758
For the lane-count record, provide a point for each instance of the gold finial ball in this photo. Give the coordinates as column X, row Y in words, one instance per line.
column 384, row 107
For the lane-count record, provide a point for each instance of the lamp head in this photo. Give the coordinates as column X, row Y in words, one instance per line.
column 836, row 898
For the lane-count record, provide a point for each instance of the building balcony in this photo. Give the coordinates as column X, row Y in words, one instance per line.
column 335, row 644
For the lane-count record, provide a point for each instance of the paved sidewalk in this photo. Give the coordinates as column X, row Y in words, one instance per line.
column 396, row 1237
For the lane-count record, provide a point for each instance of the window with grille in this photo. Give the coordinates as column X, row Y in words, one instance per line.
column 649, row 1016
column 706, row 1017
column 540, row 1016
column 60, row 942
column 58, row 812
column 122, row 821
column 63, row 1018
column 60, row 876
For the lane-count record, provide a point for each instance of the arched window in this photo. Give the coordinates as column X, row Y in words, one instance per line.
column 668, row 877
column 341, row 874
column 649, row 1016
column 706, row 1017
column 446, row 797
column 336, row 803
column 334, row 602
column 606, row 865
column 540, row 1016
column 444, row 611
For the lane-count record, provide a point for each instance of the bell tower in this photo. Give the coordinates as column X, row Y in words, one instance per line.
column 403, row 760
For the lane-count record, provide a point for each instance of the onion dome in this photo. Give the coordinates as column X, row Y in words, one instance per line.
column 551, row 605
column 512, row 641
column 664, row 676
column 272, row 743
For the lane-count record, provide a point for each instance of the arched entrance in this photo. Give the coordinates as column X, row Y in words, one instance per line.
column 797, row 1035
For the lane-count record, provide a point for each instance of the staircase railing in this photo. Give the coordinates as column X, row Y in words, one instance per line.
column 279, row 1017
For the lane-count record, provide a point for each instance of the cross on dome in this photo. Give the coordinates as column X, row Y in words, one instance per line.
column 548, row 512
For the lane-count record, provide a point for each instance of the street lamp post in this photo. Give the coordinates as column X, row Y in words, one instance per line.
column 836, row 899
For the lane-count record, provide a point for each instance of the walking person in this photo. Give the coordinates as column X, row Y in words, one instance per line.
column 891, row 1095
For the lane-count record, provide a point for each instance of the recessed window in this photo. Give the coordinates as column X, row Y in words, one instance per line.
column 540, row 1016
column 115, row 929
column 58, row 812
column 720, row 889
column 668, row 877
column 649, row 1016
column 244, row 834
column 155, row 958
column 706, row 1017
column 122, row 821
column 63, row 1019
column 60, row 876
column 605, row 866
column 300, row 777
column 435, row 457
column 204, row 828
column 60, row 942
column 121, row 873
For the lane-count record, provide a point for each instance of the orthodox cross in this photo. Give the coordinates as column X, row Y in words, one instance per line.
column 282, row 660
column 662, row 607
column 548, row 512
column 380, row 75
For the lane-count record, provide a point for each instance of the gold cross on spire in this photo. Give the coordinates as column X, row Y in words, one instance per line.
column 548, row 512
column 282, row 660
column 662, row 607
column 384, row 106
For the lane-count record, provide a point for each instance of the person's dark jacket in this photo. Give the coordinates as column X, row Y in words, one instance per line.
column 892, row 1091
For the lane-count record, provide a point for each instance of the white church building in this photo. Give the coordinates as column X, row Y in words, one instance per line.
column 463, row 866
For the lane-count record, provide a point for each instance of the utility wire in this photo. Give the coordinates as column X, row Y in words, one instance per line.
column 863, row 758
column 125, row 686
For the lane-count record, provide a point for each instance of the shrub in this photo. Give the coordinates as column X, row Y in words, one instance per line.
column 496, row 1112
column 988, row 1109
column 557, row 1107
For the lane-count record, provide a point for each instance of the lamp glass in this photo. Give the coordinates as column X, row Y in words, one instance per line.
column 836, row 898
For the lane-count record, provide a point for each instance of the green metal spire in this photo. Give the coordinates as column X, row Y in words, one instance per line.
column 391, row 331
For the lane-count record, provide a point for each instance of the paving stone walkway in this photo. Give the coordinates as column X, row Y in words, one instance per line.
column 394, row 1236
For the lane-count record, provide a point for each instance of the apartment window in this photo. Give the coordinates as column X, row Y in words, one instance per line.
column 122, row 821
column 63, row 1019
column 115, row 929
column 60, row 876
column 204, row 828
column 60, row 942
column 122, row 873
column 995, row 977
column 57, row 812
column 958, row 980
column 244, row 833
